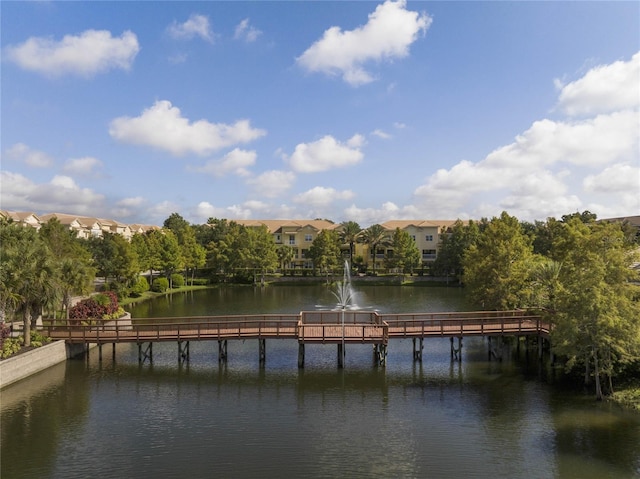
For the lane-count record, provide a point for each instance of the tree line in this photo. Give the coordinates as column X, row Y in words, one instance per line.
column 576, row 269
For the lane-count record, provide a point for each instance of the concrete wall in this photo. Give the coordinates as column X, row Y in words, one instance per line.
column 23, row 365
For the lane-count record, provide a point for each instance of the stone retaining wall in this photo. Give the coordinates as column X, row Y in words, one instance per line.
column 23, row 365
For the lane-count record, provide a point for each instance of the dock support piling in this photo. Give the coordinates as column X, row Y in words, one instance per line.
column 100, row 352
column 341, row 354
column 222, row 351
column 262, row 346
column 380, row 354
column 145, row 353
column 183, row 352
column 456, row 353
column 417, row 351
column 301, row 355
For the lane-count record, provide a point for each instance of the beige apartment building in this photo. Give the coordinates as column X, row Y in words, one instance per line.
column 299, row 234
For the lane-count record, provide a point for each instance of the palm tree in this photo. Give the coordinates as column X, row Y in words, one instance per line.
column 374, row 236
column 75, row 277
column 28, row 272
column 349, row 234
column 285, row 255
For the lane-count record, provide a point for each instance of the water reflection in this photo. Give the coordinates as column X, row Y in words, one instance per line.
column 473, row 418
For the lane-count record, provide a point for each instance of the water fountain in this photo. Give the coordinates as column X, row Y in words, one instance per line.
column 344, row 294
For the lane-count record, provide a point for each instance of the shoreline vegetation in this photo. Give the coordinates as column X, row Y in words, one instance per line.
column 581, row 270
column 627, row 396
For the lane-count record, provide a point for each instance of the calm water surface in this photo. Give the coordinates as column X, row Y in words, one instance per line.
column 435, row 419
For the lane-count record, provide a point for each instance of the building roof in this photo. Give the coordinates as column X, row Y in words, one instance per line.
column 276, row 225
column 632, row 220
column 402, row 224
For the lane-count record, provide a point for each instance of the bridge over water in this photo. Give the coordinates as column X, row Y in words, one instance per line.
column 339, row 327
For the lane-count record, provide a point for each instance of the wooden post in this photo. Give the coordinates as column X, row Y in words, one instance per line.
column 145, row 353
column 417, row 351
column 262, row 346
column 113, row 352
column 460, row 348
column 222, row 351
column 100, row 352
column 183, row 352
column 341, row 354
column 301, row 355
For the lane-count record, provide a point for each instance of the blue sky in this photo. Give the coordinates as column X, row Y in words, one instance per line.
column 364, row 111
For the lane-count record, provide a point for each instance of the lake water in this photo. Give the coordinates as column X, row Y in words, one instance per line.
column 436, row 419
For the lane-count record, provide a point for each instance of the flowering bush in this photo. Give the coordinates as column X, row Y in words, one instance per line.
column 100, row 306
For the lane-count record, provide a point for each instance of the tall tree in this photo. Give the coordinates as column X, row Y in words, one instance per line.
column 170, row 254
column 175, row 223
column 349, row 235
column 75, row 273
column 285, row 254
column 28, row 273
column 453, row 246
column 598, row 320
column 325, row 252
column 262, row 251
column 375, row 236
column 497, row 268
column 405, row 254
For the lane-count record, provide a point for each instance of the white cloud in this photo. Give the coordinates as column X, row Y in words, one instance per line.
column 547, row 169
column 245, row 31
column 325, row 154
column 196, row 26
column 129, row 207
column 381, row 134
column 320, row 196
column 206, row 210
column 91, row 52
column 388, row 211
column 162, row 126
column 33, row 158
column 86, row 166
column 603, row 89
column 236, row 162
column 620, row 178
column 387, row 35
column 594, row 141
column 60, row 194
column 272, row 183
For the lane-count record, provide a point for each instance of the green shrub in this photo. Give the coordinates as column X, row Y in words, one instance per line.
column 200, row 282
column 141, row 286
column 160, row 285
column 177, row 280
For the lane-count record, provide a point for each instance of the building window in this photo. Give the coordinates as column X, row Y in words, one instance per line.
column 428, row 237
column 308, row 238
column 413, row 237
column 428, row 254
column 292, row 239
column 277, row 238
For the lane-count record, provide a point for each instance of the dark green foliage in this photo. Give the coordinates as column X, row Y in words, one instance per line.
column 160, row 285
column 139, row 287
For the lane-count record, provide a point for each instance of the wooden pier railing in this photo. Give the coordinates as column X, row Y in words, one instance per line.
column 306, row 327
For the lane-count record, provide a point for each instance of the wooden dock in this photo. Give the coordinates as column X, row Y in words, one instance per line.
column 307, row 327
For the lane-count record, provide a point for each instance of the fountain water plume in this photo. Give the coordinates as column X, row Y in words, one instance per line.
column 344, row 293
